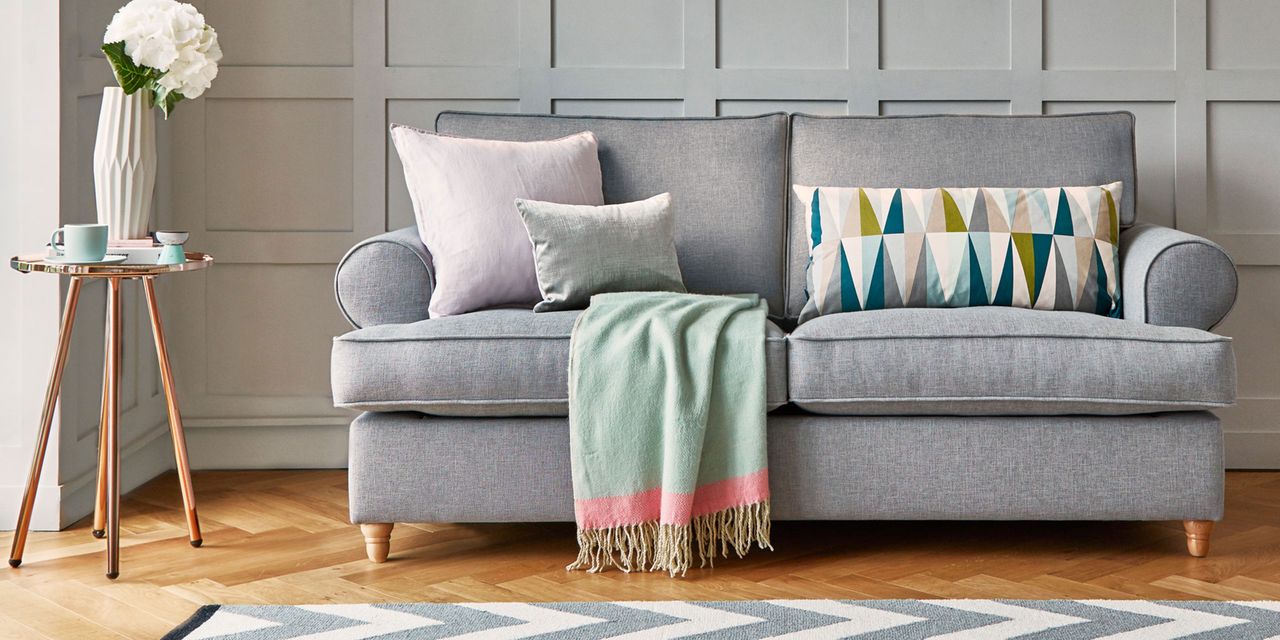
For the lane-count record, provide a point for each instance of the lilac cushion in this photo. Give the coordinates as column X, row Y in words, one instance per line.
column 464, row 194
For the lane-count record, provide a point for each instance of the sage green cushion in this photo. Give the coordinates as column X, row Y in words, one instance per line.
column 582, row 250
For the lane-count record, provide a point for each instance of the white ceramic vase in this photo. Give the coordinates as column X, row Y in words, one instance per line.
column 124, row 163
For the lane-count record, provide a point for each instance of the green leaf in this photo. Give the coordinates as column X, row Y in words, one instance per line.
column 165, row 99
column 133, row 78
column 130, row 76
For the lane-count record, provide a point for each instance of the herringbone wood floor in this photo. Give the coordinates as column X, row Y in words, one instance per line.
column 282, row 537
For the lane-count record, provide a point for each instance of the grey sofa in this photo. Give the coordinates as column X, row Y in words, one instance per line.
column 980, row 413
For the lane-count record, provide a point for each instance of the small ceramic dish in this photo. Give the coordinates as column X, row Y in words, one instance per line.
column 172, row 237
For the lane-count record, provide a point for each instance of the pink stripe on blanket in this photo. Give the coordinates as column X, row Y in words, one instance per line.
column 734, row 492
column 672, row 508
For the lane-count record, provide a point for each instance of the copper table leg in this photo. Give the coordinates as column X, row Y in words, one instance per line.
column 175, row 418
column 46, row 422
column 113, row 432
column 100, row 505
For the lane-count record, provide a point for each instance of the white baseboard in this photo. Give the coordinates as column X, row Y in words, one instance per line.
column 45, row 515
column 1252, row 449
column 140, row 462
column 59, row 506
column 1252, row 433
column 268, row 443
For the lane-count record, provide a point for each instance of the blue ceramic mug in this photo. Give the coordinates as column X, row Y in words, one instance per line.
column 81, row 242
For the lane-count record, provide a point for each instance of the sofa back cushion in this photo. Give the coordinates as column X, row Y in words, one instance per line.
column 726, row 176
column 940, row 151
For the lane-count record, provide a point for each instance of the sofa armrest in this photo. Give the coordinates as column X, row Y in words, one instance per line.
column 1173, row 278
column 386, row 279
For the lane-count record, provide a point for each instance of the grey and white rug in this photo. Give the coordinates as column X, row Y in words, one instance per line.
column 791, row 619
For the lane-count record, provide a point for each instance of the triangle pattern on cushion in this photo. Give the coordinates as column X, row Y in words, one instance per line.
column 1042, row 248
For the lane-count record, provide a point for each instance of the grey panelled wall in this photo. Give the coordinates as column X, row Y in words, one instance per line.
column 286, row 164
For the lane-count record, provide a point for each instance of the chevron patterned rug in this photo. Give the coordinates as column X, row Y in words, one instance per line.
column 791, row 619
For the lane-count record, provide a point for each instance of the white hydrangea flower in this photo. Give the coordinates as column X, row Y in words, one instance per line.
column 195, row 67
column 170, row 37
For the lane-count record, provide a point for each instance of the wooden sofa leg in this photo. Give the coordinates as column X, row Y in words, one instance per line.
column 1198, row 536
column 377, row 540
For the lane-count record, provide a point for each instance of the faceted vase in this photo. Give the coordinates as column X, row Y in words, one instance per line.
column 124, row 163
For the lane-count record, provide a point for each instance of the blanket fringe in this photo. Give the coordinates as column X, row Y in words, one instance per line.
column 650, row 546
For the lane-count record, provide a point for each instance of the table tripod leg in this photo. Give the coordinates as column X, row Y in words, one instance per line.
column 113, row 432
column 100, row 505
column 175, row 417
column 46, row 423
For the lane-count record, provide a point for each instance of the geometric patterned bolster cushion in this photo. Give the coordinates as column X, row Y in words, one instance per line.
column 1050, row 248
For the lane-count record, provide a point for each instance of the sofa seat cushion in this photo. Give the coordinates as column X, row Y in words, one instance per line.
column 1001, row 361
column 500, row 362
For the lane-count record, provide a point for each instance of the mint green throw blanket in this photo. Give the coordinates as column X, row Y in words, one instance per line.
column 667, row 429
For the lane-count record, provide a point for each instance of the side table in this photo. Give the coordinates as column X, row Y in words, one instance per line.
column 106, row 518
